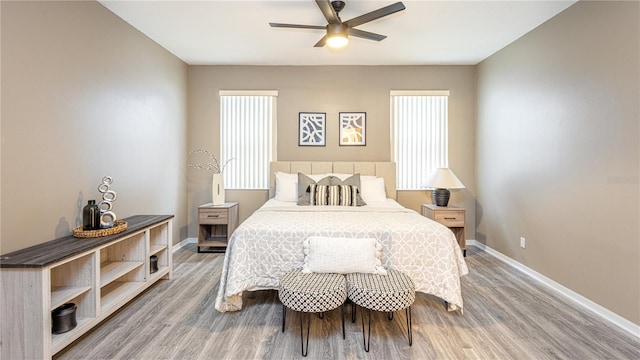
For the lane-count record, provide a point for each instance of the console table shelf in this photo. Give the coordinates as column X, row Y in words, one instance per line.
column 64, row 294
column 114, row 270
column 98, row 275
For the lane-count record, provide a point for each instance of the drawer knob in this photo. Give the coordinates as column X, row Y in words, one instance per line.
column 213, row 216
column 449, row 218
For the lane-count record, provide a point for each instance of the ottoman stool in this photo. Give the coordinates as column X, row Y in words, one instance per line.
column 387, row 293
column 311, row 293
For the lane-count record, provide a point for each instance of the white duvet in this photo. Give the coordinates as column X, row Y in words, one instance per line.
column 270, row 243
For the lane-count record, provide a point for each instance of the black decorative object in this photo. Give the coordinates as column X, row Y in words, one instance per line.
column 63, row 318
column 91, row 216
column 153, row 264
column 440, row 197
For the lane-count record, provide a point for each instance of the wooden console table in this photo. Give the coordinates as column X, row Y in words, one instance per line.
column 99, row 275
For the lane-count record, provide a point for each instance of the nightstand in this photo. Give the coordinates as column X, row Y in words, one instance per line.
column 451, row 217
column 216, row 223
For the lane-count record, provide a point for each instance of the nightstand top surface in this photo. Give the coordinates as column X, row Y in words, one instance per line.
column 436, row 207
column 225, row 205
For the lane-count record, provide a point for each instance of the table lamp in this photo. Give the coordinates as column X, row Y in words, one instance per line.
column 441, row 181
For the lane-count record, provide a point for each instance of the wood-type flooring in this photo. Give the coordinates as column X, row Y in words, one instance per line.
column 507, row 315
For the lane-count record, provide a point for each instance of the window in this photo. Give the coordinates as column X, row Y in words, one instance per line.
column 418, row 135
column 247, row 135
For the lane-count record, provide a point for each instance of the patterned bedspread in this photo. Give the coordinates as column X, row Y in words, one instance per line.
column 270, row 243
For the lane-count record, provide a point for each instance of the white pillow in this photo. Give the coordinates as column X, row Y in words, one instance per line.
column 342, row 255
column 317, row 177
column 372, row 190
column 344, row 176
column 286, row 187
column 340, row 176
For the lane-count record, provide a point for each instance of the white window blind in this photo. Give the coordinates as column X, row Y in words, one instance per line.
column 247, row 133
column 419, row 134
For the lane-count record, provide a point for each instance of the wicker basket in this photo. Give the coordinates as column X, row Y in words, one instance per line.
column 118, row 227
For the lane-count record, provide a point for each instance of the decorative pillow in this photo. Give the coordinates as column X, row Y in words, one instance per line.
column 342, row 255
column 340, row 175
column 352, row 180
column 286, row 187
column 304, row 181
column 333, row 195
column 373, row 191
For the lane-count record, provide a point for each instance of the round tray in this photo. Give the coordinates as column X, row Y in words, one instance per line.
column 118, row 227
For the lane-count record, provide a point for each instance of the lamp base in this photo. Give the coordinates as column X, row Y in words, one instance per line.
column 440, row 197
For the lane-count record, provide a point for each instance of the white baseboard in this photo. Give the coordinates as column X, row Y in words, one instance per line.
column 184, row 243
column 603, row 312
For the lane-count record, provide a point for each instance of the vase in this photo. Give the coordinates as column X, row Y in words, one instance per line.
column 217, row 189
column 91, row 216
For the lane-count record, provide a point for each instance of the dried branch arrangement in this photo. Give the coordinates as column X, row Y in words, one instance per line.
column 213, row 165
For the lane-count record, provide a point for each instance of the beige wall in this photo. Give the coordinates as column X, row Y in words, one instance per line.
column 558, row 155
column 331, row 89
column 85, row 95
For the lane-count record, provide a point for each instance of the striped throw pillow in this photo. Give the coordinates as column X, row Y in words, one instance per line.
column 333, row 195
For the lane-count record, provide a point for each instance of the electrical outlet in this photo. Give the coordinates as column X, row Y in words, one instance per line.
column 522, row 242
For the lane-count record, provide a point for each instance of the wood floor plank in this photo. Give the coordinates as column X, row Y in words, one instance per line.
column 507, row 315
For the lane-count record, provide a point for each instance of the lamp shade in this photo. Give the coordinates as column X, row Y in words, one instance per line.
column 444, row 178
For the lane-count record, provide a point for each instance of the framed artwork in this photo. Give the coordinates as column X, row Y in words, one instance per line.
column 353, row 128
column 311, row 129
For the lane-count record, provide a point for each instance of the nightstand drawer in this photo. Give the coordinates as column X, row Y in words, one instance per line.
column 450, row 218
column 213, row 216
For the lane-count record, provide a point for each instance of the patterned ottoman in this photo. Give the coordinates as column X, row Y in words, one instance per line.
column 311, row 293
column 387, row 293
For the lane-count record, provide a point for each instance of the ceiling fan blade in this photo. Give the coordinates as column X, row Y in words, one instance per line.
column 328, row 12
column 366, row 35
column 322, row 41
column 297, row 26
column 376, row 14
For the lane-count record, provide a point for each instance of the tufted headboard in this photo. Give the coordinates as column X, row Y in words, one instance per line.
column 386, row 170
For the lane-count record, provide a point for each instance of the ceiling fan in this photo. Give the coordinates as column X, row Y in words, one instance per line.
column 338, row 31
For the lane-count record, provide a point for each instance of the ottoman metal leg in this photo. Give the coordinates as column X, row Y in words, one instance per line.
column 409, row 332
column 366, row 338
column 342, row 316
column 353, row 312
column 305, row 348
column 284, row 315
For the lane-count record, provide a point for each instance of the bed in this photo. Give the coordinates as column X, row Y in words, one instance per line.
column 271, row 241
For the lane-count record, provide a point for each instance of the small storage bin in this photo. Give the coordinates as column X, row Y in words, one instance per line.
column 63, row 318
column 153, row 264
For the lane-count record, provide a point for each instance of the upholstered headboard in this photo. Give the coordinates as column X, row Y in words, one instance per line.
column 386, row 170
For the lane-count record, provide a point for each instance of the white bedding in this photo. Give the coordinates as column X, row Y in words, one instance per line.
column 270, row 243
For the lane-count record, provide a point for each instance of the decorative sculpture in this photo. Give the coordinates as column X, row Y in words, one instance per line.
column 107, row 217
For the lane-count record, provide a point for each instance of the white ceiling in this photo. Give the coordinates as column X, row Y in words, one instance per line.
column 426, row 33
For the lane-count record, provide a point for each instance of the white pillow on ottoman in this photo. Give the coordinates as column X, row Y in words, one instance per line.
column 342, row 255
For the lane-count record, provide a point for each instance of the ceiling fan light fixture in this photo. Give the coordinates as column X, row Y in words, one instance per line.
column 338, row 31
column 337, row 40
